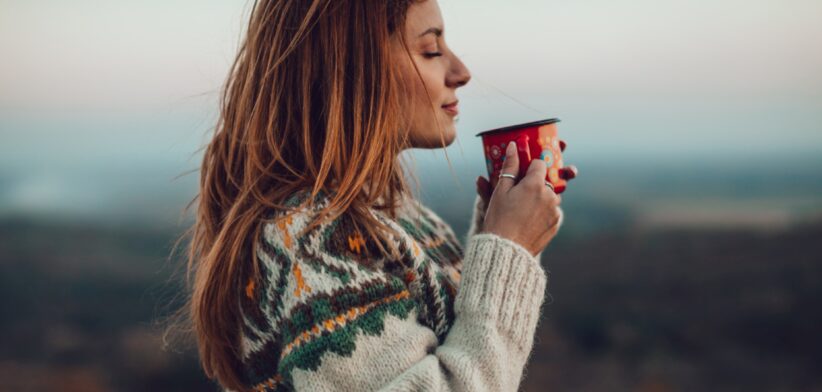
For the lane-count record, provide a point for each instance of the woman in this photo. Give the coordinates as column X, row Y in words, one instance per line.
column 314, row 268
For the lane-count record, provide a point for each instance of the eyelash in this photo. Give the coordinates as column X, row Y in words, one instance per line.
column 432, row 55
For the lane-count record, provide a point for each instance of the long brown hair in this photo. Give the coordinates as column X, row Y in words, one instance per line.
column 313, row 103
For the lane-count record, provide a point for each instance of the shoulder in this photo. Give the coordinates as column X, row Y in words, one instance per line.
column 331, row 259
column 314, row 295
column 436, row 221
column 428, row 227
column 339, row 235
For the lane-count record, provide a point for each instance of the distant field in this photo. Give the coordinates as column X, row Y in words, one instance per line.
column 628, row 310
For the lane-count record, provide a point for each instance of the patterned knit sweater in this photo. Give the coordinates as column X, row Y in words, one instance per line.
column 331, row 314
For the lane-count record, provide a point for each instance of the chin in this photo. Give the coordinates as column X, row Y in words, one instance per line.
column 450, row 136
column 450, row 130
column 435, row 142
column 431, row 139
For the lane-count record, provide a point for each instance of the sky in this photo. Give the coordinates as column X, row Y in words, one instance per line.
column 639, row 66
column 93, row 54
column 91, row 86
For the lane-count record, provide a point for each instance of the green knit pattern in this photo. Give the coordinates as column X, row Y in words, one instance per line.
column 318, row 293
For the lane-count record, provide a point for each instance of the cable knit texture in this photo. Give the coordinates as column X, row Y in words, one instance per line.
column 330, row 313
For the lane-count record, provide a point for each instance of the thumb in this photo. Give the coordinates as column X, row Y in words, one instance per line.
column 510, row 165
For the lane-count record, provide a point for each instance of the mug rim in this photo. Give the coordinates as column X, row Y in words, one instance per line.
column 517, row 126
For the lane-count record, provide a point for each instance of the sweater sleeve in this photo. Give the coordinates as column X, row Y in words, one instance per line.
column 327, row 323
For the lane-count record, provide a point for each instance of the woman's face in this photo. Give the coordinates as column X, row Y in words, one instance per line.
column 432, row 121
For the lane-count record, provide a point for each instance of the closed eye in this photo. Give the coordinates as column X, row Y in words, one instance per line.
column 432, row 54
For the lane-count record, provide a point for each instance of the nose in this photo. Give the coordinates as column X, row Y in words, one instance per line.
column 458, row 75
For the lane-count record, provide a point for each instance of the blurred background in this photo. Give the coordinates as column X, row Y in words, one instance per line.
column 690, row 254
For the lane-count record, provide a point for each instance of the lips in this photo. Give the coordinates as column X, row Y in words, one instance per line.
column 452, row 107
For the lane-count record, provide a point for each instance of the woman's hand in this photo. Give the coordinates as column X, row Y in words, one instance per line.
column 525, row 211
column 484, row 187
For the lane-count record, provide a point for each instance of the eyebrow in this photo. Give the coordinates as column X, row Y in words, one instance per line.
column 436, row 30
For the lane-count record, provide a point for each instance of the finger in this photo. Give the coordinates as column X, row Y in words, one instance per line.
column 484, row 189
column 560, row 218
column 562, row 145
column 536, row 172
column 509, row 166
column 568, row 172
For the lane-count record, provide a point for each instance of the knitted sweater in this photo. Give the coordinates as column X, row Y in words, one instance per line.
column 330, row 314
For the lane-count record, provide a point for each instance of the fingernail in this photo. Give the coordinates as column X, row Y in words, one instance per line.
column 510, row 149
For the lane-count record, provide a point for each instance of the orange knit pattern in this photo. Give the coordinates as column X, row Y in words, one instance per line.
column 355, row 242
column 269, row 384
column 339, row 321
column 301, row 286
column 283, row 225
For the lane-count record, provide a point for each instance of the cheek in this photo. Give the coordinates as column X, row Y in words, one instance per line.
column 434, row 84
column 430, row 78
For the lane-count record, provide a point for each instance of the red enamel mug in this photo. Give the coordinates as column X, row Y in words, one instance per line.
column 534, row 140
